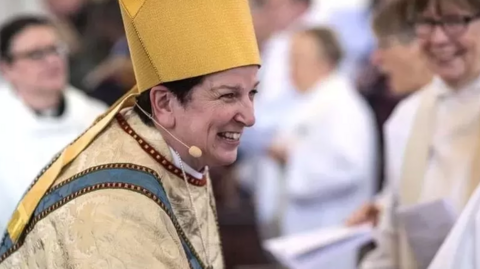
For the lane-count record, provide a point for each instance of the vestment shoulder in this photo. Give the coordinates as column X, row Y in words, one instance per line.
column 107, row 207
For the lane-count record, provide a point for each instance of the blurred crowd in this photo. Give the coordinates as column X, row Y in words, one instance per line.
column 332, row 73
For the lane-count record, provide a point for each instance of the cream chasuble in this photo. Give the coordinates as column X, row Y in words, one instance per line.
column 439, row 158
column 436, row 156
column 122, row 203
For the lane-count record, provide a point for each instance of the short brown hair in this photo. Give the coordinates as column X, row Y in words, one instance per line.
column 418, row 6
column 329, row 42
column 390, row 19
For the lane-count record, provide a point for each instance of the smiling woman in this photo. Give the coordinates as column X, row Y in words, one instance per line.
column 208, row 112
column 448, row 31
column 143, row 198
column 432, row 141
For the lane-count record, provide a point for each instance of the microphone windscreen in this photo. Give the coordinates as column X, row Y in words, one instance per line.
column 195, row 152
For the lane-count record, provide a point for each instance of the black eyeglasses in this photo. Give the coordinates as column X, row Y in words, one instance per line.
column 40, row 54
column 453, row 26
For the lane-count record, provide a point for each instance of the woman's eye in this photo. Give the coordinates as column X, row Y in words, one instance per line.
column 228, row 96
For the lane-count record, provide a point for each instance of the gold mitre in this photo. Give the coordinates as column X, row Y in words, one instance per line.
column 176, row 39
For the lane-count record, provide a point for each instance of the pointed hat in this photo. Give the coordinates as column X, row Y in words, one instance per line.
column 171, row 40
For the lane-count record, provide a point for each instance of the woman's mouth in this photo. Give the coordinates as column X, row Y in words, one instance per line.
column 446, row 56
column 230, row 136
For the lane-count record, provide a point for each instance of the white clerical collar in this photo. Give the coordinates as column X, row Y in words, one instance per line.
column 188, row 169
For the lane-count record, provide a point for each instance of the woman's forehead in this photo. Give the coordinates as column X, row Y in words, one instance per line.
column 442, row 7
column 243, row 76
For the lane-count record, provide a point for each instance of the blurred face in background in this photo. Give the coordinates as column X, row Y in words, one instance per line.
column 37, row 63
column 261, row 22
column 403, row 63
column 308, row 62
column 65, row 8
column 449, row 34
column 282, row 13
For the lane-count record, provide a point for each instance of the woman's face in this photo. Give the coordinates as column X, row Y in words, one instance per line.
column 451, row 42
column 215, row 117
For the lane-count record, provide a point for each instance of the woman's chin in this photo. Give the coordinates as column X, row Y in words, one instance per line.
column 452, row 72
column 225, row 158
column 451, row 75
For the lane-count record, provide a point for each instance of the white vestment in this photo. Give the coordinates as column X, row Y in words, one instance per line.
column 275, row 100
column 28, row 142
column 331, row 169
column 332, row 158
column 455, row 128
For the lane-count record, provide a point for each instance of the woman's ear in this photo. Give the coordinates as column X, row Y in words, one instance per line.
column 162, row 111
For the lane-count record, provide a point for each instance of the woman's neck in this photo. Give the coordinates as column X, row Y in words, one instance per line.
column 458, row 84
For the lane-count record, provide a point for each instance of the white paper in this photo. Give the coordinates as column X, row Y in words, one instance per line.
column 426, row 227
column 319, row 248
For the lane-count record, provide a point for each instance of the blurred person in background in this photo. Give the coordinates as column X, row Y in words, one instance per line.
column 399, row 57
column 435, row 145
column 61, row 13
column 280, row 20
column 373, row 85
column 350, row 20
column 12, row 8
column 275, row 23
column 90, row 29
column 264, row 27
column 283, row 18
column 113, row 76
column 327, row 144
column 41, row 111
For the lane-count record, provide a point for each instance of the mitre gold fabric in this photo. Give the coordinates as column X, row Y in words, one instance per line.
column 176, row 39
column 169, row 40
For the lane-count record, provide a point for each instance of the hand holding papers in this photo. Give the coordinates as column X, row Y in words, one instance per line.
column 319, row 248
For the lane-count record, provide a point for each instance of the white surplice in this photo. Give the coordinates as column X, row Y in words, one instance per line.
column 28, row 141
column 331, row 169
column 275, row 100
column 455, row 129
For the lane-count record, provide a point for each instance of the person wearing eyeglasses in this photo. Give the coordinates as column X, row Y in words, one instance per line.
column 40, row 113
column 399, row 58
column 437, row 145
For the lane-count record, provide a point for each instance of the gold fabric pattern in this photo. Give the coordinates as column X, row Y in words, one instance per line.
column 89, row 233
column 114, row 228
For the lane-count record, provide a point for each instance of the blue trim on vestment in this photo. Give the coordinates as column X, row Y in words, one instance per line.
column 134, row 177
column 6, row 244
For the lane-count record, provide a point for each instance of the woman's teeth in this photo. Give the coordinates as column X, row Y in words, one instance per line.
column 445, row 56
column 230, row 136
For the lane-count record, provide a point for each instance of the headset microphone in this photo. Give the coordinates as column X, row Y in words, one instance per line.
column 194, row 151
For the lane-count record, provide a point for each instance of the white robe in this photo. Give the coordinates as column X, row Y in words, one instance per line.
column 331, row 169
column 276, row 98
column 333, row 161
column 28, row 142
column 455, row 135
